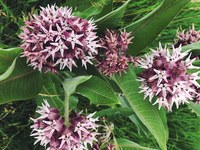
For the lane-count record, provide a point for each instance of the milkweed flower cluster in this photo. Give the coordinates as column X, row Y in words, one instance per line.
column 57, row 39
column 112, row 56
column 165, row 76
column 49, row 129
column 187, row 37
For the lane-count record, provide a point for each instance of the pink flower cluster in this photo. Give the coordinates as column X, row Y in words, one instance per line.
column 112, row 56
column 166, row 76
column 187, row 37
column 49, row 129
column 56, row 39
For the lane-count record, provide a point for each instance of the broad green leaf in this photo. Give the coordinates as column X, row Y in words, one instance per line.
column 73, row 102
column 23, row 83
column 98, row 92
column 194, row 107
column 112, row 19
column 70, row 84
column 148, row 28
column 134, row 118
column 114, row 111
column 151, row 117
column 91, row 11
column 88, row 8
column 193, row 46
column 125, row 144
column 7, row 56
column 49, row 93
column 8, row 72
column 196, row 63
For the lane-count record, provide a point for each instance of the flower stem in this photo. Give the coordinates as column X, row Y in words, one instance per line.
column 66, row 103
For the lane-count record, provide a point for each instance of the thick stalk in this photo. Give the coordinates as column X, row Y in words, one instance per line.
column 66, row 103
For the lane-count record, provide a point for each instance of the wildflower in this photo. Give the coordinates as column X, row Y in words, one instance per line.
column 187, row 37
column 165, row 76
column 112, row 56
column 56, row 39
column 49, row 129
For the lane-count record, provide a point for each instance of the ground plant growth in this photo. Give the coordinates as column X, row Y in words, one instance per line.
column 99, row 75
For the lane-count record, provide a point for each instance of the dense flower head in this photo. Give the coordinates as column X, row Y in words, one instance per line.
column 56, row 39
column 166, row 76
column 187, row 37
column 112, row 56
column 49, row 129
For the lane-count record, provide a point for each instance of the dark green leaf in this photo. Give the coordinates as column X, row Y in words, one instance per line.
column 193, row 46
column 114, row 111
column 112, row 19
column 70, row 84
column 125, row 144
column 196, row 63
column 8, row 72
column 49, row 93
column 23, row 83
column 98, row 92
column 194, row 107
column 7, row 56
column 89, row 8
column 148, row 28
column 151, row 117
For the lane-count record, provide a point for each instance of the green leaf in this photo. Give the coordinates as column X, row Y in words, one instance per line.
column 125, row 144
column 151, row 117
column 148, row 28
column 23, row 83
column 194, row 107
column 193, row 46
column 73, row 102
column 134, row 118
column 8, row 72
column 88, row 8
column 70, row 84
column 98, row 92
column 112, row 19
column 114, row 111
column 91, row 11
column 49, row 93
column 196, row 63
column 7, row 56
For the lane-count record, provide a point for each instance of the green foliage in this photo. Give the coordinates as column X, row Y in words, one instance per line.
column 151, row 117
column 112, row 19
column 90, row 8
column 194, row 108
column 50, row 93
column 147, row 29
column 125, row 144
column 70, row 84
column 8, row 72
column 23, row 83
column 17, row 81
column 98, row 92
column 114, row 111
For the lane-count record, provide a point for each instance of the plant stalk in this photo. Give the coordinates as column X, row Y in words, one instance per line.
column 66, row 115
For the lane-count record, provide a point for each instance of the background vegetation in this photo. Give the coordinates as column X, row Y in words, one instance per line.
column 184, row 126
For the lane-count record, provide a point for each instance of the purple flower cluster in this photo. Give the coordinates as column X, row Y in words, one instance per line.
column 187, row 37
column 165, row 76
column 49, row 129
column 112, row 56
column 56, row 39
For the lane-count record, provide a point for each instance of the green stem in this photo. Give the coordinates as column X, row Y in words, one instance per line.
column 66, row 103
